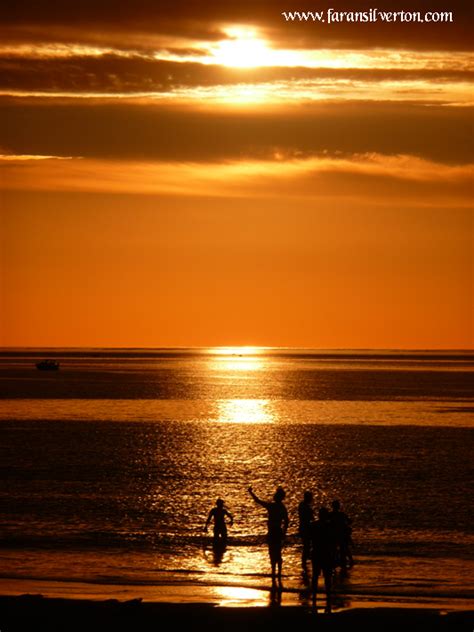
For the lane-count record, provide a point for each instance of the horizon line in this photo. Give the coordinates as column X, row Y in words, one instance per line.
column 240, row 346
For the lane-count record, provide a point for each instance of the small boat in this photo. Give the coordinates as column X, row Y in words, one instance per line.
column 48, row 365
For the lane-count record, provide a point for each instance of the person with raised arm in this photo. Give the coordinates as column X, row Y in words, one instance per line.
column 277, row 527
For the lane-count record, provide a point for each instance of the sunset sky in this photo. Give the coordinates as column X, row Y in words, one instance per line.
column 195, row 173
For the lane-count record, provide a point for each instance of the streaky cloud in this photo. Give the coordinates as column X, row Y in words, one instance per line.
column 368, row 177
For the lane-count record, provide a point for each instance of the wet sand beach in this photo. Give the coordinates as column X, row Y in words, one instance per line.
column 34, row 612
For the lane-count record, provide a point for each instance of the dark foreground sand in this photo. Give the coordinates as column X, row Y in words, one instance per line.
column 36, row 613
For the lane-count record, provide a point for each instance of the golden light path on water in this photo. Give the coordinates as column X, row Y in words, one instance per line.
column 232, row 364
column 239, row 351
column 237, row 595
column 245, row 411
column 239, row 360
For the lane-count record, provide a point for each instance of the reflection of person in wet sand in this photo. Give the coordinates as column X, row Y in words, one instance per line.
column 277, row 527
column 218, row 514
column 323, row 551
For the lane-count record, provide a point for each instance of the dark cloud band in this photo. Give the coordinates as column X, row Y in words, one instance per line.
column 158, row 132
column 196, row 19
column 110, row 73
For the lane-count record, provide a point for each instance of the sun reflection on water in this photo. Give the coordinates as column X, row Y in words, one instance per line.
column 238, row 595
column 247, row 411
column 228, row 360
column 240, row 367
column 240, row 351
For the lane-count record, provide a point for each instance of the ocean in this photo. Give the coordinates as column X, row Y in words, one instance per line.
column 110, row 465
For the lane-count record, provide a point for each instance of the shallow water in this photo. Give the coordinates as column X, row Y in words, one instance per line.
column 110, row 465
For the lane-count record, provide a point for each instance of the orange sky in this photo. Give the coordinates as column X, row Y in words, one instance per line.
column 209, row 175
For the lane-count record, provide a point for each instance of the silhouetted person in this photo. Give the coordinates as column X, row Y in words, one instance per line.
column 323, row 554
column 277, row 527
column 218, row 514
column 305, row 516
column 342, row 532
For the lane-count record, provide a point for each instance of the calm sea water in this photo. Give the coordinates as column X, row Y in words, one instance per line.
column 110, row 465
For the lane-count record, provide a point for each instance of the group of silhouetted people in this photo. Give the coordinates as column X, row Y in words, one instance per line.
column 326, row 542
column 340, row 527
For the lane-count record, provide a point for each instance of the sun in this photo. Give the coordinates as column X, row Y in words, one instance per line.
column 242, row 49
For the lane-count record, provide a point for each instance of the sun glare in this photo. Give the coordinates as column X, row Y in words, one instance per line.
column 243, row 49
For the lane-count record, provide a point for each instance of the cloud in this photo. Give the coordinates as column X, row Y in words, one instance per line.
column 372, row 178
column 199, row 20
column 114, row 73
column 12, row 158
column 170, row 132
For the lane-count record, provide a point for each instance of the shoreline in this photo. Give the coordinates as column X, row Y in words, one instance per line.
column 36, row 612
column 232, row 591
column 230, row 594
